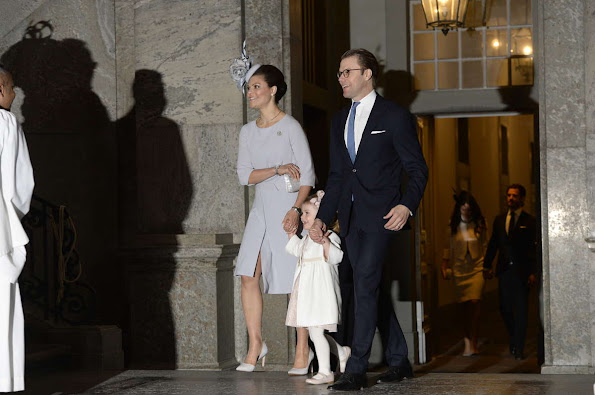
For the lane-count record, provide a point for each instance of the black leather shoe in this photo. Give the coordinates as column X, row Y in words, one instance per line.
column 350, row 382
column 512, row 349
column 518, row 355
column 395, row 374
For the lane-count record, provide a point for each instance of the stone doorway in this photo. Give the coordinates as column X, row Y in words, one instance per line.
column 483, row 154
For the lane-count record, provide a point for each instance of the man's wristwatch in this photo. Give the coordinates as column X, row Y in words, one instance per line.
column 297, row 210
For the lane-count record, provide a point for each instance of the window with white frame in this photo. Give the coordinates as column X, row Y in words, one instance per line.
column 498, row 54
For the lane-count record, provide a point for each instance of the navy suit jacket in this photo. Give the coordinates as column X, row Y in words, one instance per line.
column 518, row 247
column 374, row 180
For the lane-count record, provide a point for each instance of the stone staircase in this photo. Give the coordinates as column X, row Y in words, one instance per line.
column 88, row 347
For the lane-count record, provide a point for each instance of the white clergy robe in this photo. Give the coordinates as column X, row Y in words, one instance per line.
column 16, row 186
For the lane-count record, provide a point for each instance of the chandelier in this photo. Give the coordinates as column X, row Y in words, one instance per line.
column 447, row 15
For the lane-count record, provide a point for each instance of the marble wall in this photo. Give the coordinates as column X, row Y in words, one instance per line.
column 139, row 140
column 566, row 115
column 188, row 206
column 62, row 55
column 190, row 44
column 590, row 146
column 182, row 313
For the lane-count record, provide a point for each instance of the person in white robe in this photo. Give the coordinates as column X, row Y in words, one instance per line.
column 16, row 186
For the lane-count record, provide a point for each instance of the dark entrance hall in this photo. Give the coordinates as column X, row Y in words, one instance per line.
column 494, row 356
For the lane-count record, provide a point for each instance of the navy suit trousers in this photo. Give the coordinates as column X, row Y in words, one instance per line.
column 367, row 255
column 514, row 306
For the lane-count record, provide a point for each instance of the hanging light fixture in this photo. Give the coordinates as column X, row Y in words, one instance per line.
column 450, row 14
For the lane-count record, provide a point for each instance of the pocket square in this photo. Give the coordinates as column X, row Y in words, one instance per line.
column 378, row 131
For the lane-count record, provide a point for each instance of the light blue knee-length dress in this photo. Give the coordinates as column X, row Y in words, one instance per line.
column 261, row 148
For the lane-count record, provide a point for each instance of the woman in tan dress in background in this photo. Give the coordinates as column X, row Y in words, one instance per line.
column 468, row 243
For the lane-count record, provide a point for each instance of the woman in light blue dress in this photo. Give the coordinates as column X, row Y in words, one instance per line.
column 269, row 148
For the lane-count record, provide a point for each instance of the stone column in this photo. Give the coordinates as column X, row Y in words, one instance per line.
column 181, row 207
column 589, row 23
column 565, row 72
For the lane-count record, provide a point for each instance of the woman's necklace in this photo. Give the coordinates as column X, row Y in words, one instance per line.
column 259, row 120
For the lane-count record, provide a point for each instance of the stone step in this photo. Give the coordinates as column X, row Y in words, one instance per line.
column 47, row 355
column 83, row 346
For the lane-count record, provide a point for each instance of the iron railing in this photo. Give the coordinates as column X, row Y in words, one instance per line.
column 52, row 288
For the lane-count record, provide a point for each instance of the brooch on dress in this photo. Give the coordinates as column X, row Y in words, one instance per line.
column 279, row 133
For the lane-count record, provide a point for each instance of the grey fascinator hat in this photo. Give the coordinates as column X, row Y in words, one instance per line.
column 241, row 69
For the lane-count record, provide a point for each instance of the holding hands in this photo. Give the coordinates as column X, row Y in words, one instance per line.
column 318, row 231
column 488, row 274
column 290, row 222
column 319, row 234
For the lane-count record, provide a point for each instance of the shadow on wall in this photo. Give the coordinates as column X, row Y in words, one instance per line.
column 398, row 87
column 518, row 98
column 119, row 179
column 155, row 195
column 164, row 183
column 55, row 76
column 72, row 148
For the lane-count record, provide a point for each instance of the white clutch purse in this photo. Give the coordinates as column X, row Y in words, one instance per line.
column 291, row 184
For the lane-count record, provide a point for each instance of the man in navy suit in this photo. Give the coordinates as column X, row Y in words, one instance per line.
column 371, row 142
column 513, row 238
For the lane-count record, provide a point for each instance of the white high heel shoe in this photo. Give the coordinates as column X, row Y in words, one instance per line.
column 246, row 367
column 303, row 371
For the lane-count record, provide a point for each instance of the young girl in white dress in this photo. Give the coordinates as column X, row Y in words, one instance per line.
column 315, row 302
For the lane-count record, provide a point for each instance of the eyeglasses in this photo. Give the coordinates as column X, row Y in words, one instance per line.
column 345, row 73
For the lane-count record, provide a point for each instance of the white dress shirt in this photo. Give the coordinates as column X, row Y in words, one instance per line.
column 362, row 113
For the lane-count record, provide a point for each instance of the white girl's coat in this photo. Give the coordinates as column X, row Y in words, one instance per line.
column 319, row 295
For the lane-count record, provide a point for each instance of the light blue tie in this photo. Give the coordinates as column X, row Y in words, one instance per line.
column 351, row 132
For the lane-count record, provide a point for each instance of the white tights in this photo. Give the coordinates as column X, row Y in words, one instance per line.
column 324, row 345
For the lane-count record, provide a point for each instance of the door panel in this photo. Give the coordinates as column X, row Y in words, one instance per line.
column 426, row 295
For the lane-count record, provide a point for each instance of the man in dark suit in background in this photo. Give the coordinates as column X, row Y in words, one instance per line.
column 513, row 237
column 371, row 142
